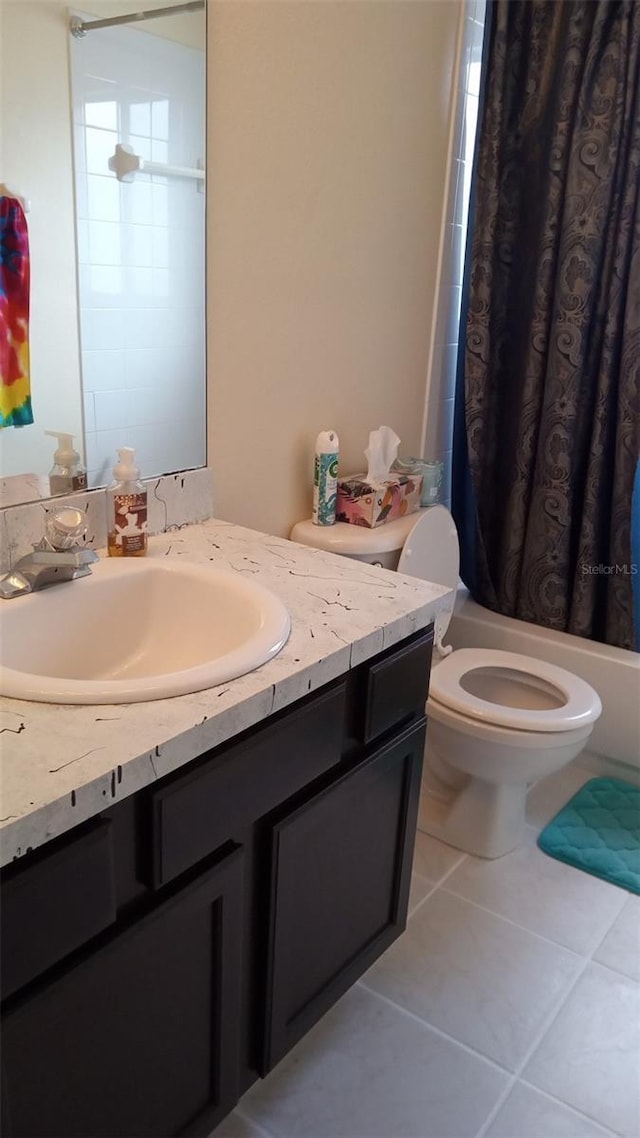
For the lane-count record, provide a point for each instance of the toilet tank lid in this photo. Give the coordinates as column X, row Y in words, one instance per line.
column 350, row 540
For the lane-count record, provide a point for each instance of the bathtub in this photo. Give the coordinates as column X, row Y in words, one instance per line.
column 613, row 672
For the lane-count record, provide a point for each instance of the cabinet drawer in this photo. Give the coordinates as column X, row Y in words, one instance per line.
column 397, row 687
column 55, row 904
column 197, row 812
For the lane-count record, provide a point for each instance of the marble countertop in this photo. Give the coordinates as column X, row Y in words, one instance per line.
column 62, row 764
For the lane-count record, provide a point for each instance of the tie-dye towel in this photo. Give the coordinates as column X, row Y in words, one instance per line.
column 15, row 391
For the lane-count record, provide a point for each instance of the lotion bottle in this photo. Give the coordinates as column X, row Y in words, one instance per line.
column 325, row 479
column 67, row 473
column 126, row 509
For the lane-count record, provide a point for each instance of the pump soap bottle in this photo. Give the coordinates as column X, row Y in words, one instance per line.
column 67, row 473
column 126, row 509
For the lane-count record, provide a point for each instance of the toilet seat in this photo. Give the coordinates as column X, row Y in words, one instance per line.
column 580, row 704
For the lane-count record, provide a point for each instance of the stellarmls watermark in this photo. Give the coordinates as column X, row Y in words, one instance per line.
column 618, row 569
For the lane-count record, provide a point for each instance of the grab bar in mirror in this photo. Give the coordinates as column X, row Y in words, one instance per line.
column 79, row 28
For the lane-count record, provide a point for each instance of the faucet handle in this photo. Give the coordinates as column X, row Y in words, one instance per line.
column 65, row 527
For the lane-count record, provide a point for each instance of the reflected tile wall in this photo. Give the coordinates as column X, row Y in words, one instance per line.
column 140, row 250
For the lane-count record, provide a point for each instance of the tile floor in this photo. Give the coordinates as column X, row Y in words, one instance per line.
column 510, row 1008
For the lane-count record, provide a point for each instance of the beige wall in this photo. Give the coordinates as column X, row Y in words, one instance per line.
column 327, row 135
column 37, row 163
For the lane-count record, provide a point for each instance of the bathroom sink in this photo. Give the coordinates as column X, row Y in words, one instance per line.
column 137, row 630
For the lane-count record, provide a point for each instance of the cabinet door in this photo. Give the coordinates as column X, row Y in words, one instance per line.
column 139, row 1038
column 341, row 869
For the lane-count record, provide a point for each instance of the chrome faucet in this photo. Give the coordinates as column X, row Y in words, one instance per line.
column 56, row 558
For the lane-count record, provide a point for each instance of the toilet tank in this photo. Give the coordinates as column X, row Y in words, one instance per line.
column 380, row 546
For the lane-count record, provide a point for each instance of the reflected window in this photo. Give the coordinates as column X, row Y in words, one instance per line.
column 101, row 114
column 160, row 118
column 140, row 118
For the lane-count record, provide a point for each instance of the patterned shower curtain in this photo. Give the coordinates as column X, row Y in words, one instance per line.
column 547, row 431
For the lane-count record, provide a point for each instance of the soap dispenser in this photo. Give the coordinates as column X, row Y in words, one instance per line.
column 67, row 473
column 126, row 509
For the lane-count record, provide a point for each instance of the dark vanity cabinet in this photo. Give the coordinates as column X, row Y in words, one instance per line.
column 140, row 1035
column 161, row 957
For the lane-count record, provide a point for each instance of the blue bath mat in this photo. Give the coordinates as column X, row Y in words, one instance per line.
column 599, row 831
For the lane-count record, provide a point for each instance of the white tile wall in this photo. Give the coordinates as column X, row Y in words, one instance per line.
column 141, row 251
column 441, row 383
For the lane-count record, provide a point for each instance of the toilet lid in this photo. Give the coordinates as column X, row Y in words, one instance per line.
column 432, row 553
column 458, row 680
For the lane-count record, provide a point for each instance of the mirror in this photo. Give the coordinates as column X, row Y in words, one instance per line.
column 117, row 262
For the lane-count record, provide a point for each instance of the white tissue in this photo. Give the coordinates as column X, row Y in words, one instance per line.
column 381, row 454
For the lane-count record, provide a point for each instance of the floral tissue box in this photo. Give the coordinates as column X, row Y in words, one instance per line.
column 363, row 503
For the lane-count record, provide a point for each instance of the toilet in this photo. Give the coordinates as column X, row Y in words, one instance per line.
column 497, row 721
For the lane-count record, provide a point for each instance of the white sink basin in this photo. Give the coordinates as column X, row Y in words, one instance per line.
column 137, row 630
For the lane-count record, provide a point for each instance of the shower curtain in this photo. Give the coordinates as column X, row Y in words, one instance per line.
column 547, row 426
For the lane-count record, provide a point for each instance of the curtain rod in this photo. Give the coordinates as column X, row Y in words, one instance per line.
column 79, row 28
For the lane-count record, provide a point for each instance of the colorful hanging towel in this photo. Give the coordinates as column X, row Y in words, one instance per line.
column 15, row 390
